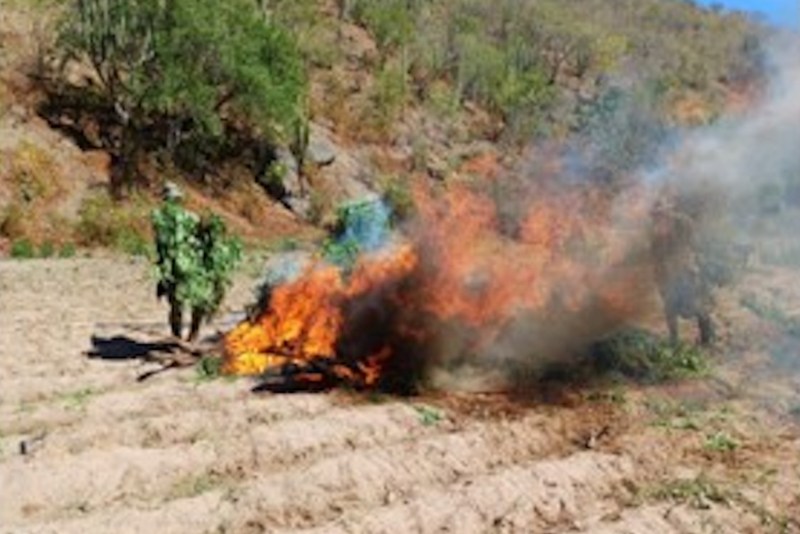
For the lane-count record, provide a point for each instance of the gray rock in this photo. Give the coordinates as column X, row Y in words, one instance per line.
column 321, row 150
column 300, row 206
column 290, row 169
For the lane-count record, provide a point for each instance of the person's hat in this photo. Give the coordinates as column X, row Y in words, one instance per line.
column 171, row 191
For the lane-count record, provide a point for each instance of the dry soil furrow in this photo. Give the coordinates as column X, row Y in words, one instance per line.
column 152, row 473
column 667, row 518
column 196, row 515
column 365, row 478
column 143, row 402
column 49, row 488
column 29, row 390
column 69, row 433
column 232, row 416
column 528, row 497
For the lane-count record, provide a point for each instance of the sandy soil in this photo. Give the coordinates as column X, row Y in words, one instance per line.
column 86, row 448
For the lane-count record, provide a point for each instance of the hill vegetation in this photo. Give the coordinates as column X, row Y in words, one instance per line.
column 401, row 86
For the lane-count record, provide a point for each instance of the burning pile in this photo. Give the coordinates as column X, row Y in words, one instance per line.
column 460, row 288
column 304, row 321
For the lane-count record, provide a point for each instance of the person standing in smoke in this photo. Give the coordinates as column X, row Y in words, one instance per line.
column 684, row 281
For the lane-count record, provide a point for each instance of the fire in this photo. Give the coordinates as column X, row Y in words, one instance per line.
column 459, row 268
column 304, row 321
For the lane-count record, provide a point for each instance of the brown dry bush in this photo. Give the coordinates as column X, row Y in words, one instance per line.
column 35, row 184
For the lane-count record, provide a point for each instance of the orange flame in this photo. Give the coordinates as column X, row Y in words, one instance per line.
column 304, row 320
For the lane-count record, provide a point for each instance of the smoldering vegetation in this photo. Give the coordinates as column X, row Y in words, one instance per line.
column 553, row 263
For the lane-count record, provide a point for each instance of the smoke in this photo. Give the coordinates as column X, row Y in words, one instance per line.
column 745, row 168
column 737, row 180
column 494, row 281
column 758, row 149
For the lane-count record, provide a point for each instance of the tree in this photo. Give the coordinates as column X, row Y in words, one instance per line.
column 179, row 74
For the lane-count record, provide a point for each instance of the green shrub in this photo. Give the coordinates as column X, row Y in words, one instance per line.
column 389, row 95
column 67, row 250
column 187, row 69
column 643, row 356
column 397, row 196
column 720, row 442
column 47, row 249
column 391, row 21
column 23, row 249
column 104, row 222
column 208, row 368
column 697, row 492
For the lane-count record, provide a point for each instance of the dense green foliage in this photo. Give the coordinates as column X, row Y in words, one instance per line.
column 196, row 257
column 182, row 72
column 528, row 60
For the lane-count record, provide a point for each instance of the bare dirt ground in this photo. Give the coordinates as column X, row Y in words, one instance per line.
column 86, row 448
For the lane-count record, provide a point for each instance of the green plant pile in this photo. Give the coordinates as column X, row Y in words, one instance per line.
column 645, row 357
column 359, row 227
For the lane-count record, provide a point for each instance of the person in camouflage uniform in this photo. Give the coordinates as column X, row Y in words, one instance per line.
column 684, row 281
column 171, row 247
column 195, row 260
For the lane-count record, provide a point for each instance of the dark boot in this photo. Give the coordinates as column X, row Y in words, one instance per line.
column 197, row 320
column 175, row 316
column 672, row 325
column 706, row 326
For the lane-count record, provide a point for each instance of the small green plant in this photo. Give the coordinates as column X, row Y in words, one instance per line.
column 23, row 249
column 342, row 253
column 208, row 368
column 677, row 415
column 428, row 415
column 47, row 249
column 272, row 180
column 443, row 101
column 77, row 399
column 67, row 250
column 720, row 442
column 389, row 95
column 194, row 485
column 698, row 492
column 398, row 198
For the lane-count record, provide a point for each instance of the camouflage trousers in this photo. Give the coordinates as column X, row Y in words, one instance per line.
column 685, row 295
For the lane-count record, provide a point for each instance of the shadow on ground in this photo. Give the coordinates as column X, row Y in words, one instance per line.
column 169, row 354
column 126, row 348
